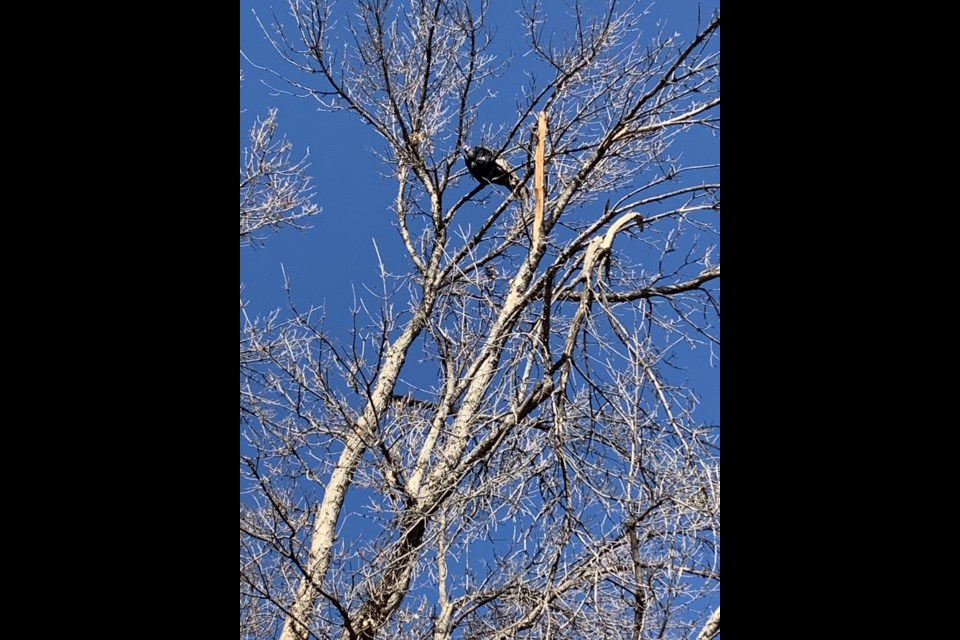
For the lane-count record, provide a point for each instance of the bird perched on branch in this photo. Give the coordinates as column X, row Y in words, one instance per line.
column 489, row 169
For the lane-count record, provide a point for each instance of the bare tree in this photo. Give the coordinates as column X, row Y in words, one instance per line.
column 275, row 191
column 552, row 479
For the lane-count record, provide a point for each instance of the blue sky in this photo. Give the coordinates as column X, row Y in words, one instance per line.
column 330, row 264
column 334, row 263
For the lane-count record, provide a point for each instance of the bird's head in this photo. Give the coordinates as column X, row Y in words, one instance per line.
column 478, row 153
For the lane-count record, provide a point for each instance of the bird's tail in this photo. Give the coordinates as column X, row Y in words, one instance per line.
column 523, row 192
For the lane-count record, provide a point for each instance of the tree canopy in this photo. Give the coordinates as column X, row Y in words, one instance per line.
column 503, row 438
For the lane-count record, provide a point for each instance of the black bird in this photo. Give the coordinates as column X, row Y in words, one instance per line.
column 488, row 169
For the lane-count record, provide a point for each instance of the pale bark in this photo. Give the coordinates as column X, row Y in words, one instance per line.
column 555, row 431
column 712, row 627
